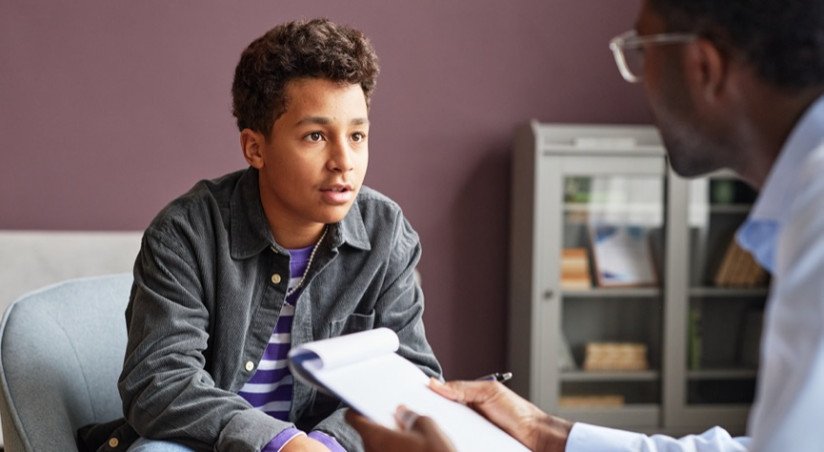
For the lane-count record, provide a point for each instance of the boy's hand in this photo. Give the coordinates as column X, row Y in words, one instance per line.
column 303, row 443
column 417, row 434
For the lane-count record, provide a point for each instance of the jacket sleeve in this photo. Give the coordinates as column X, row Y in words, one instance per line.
column 166, row 391
column 401, row 303
column 336, row 426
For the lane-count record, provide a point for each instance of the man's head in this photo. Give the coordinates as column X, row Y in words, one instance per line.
column 782, row 40
column 302, row 49
column 704, row 90
column 301, row 95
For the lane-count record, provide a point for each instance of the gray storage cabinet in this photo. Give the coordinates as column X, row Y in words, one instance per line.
column 570, row 183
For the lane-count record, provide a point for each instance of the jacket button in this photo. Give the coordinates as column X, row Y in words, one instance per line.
column 113, row 442
column 276, row 278
column 250, row 366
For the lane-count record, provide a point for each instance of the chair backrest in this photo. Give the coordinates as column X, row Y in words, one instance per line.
column 61, row 351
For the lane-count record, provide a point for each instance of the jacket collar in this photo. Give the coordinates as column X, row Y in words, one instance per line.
column 249, row 229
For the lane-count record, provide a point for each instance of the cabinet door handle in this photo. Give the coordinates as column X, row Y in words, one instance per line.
column 548, row 294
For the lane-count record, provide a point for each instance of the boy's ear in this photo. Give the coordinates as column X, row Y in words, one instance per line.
column 252, row 143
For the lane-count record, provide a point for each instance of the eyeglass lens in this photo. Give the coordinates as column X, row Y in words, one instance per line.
column 634, row 60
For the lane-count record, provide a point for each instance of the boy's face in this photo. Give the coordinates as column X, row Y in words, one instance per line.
column 313, row 164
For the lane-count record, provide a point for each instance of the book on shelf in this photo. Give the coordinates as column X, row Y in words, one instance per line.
column 622, row 255
column 724, row 191
column 621, row 356
column 591, row 401
column 577, row 189
column 694, row 338
column 566, row 362
column 575, row 269
column 739, row 269
column 363, row 370
column 750, row 342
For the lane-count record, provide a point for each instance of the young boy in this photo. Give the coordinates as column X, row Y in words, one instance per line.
column 293, row 249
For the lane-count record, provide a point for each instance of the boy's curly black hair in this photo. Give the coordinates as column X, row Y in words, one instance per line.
column 299, row 49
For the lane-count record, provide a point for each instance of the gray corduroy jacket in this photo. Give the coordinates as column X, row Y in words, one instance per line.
column 206, row 299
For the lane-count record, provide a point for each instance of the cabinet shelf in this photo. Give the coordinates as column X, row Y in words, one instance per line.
column 613, row 292
column 728, row 292
column 575, row 149
column 722, row 374
column 630, row 416
column 647, row 375
column 586, row 207
column 730, row 209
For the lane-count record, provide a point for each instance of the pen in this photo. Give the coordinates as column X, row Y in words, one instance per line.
column 497, row 376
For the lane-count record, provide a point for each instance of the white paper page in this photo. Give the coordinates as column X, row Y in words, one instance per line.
column 350, row 348
column 376, row 386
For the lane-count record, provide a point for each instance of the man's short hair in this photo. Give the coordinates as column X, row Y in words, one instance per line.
column 782, row 39
column 299, row 49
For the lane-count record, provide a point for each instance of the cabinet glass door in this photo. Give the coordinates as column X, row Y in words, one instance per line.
column 610, row 275
column 726, row 296
column 722, row 310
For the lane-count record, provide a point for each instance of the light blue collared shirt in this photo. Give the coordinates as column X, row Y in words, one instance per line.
column 785, row 232
column 759, row 234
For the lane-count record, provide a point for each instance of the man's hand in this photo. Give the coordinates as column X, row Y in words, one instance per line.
column 303, row 443
column 416, row 434
column 521, row 419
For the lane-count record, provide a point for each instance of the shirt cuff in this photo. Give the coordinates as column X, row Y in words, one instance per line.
column 281, row 439
column 327, row 441
column 592, row 438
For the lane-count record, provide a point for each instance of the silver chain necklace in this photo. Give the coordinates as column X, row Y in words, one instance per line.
column 308, row 264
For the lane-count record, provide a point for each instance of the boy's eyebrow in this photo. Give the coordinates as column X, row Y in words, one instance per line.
column 322, row 120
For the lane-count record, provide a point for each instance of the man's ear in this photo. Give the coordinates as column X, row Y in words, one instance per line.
column 707, row 69
column 253, row 143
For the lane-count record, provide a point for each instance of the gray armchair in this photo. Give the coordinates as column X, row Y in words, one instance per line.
column 61, row 351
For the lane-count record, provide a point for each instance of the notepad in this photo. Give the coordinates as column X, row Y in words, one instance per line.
column 363, row 370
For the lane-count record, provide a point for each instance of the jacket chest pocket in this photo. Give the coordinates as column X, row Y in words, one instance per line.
column 352, row 324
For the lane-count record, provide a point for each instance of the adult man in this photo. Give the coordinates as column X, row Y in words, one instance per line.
column 735, row 84
column 290, row 250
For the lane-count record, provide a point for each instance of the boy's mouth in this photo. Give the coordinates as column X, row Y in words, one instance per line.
column 337, row 194
column 337, row 188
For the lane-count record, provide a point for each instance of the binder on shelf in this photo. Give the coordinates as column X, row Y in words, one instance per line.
column 622, row 255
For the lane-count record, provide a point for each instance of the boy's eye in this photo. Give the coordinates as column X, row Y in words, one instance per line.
column 358, row 136
column 314, row 136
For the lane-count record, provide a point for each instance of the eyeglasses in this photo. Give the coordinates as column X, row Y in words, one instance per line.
column 628, row 50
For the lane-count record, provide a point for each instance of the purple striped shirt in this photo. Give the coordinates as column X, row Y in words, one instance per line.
column 270, row 388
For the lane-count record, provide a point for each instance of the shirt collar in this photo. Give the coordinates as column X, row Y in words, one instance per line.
column 781, row 183
column 250, row 233
column 759, row 233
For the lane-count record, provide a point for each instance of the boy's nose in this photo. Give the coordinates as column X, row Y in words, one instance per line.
column 341, row 158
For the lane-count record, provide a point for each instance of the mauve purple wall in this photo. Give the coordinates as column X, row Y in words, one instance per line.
column 109, row 109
